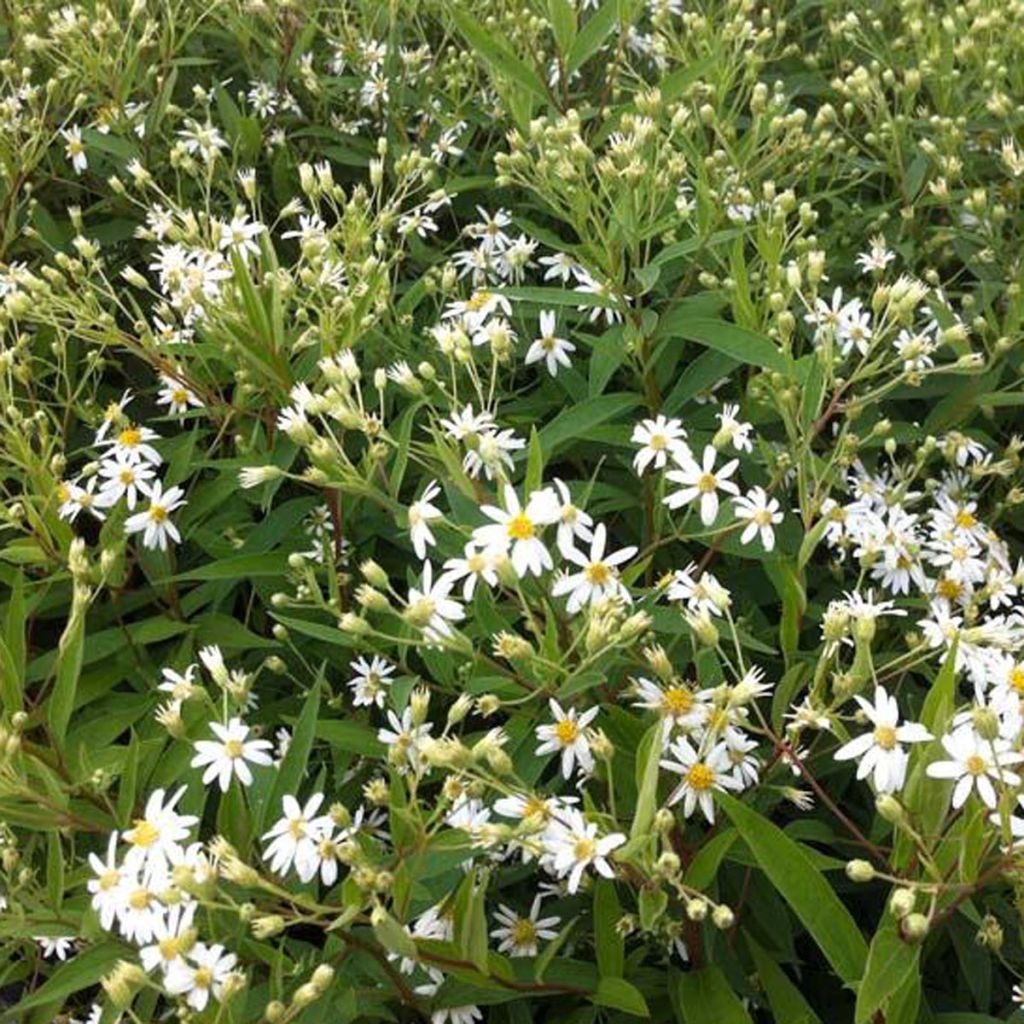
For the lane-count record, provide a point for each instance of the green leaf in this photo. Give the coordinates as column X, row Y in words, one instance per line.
column 890, row 962
column 350, row 736
column 268, row 563
column 80, row 972
column 739, row 343
column 498, row 55
column 577, row 421
column 705, row 996
column 293, row 767
column 534, row 463
column 391, row 935
column 611, row 950
column 809, row 895
column 785, row 999
column 562, row 15
column 619, row 994
column 649, row 754
column 69, row 668
column 592, row 35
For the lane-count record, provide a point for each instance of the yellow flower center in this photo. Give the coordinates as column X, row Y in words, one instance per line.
column 949, row 589
column 179, row 396
column 535, row 807
column 233, row 748
column 584, row 848
column 976, row 764
column 203, row 977
column 520, row 527
column 566, row 731
column 139, row 900
column 1017, row 678
column 964, row 519
column 169, row 947
column 707, row 483
column 127, row 476
column 109, row 879
column 658, row 442
column 157, row 513
column 144, row 834
column 597, row 573
column 297, row 828
column 677, row 700
column 885, row 737
column 478, row 301
column 130, row 437
column 700, row 777
column 524, row 932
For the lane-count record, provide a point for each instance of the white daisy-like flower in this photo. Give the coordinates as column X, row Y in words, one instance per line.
column 552, row 350
column 880, row 752
column 201, row 975
column 573, row 844
column 520, row 935
column 702, row 775
column 157, row 833
column 516, row 529
column 660, row 439
column 430, row 607
column 371, row 681
column 230, row 754
column 761, row 514
column 567, row 737
column 598, row 577
column 975, row 763
column 701, row 481
column 295, row 836
column 405, row 736
column 155, row 522
column 421, row 513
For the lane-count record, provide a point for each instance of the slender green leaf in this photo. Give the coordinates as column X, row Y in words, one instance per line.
column 804, row 888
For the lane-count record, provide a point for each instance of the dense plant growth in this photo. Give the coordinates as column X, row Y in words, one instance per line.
column 511, row 511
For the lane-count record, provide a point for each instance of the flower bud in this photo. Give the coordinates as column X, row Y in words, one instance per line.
column 722, row 917
column 901, row 902
column 860, row 871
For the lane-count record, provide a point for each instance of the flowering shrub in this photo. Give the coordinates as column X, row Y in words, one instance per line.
column 511, row 511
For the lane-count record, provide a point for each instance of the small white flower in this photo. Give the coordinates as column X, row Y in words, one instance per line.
column 421, row 513
column 123, row 479
column 660, row 439
column 371, row 681
column 703, row 482
column 107, row 887
column 880, row 752
column 598, row 577
column 761, row 514
column 176, row 396
column 521, row 935
column 474, row 565
column 155, row 523
column 567, row 736
column 157, row 833
column 519, row 528
column 432, row 608
column 974, row 763
column 295, row 837
column 554, row 351
column 74, row 148
column 702, row 775
column 201, row 975
column 573, row 844
column 229, row 753
column 56, row 945
column 405, row 736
